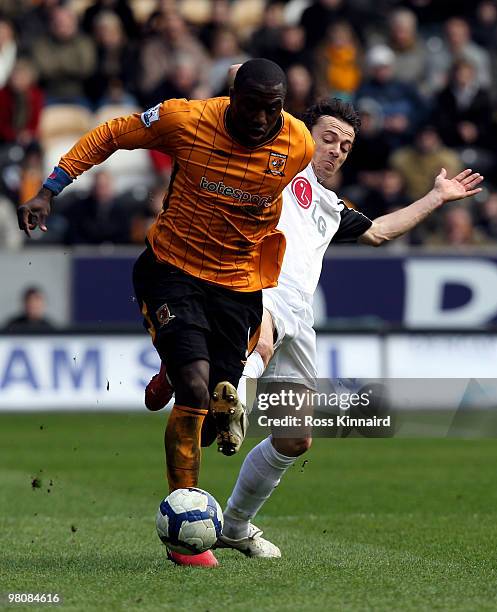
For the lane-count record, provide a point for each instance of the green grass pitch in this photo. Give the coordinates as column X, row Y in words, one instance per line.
column 363, row 525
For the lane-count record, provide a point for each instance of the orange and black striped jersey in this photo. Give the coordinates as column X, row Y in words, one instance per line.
column 224, row 201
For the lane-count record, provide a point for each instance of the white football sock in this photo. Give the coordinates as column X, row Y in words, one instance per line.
column 254, row 368
column 260, row 474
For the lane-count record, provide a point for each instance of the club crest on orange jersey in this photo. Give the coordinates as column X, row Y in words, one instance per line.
column 164, row 315
column 276, row 164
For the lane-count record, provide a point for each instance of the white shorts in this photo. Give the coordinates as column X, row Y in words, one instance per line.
column 295, row 354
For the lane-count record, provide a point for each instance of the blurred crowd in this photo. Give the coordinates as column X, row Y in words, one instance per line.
column 422, row 74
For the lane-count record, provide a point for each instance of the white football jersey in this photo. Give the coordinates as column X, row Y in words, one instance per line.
column 312, row 217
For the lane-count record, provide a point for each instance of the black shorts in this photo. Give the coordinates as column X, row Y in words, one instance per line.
column 190, row 319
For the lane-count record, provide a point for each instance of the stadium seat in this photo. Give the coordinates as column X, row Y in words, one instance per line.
column 110, row 111
column 142, row 9
column 195, row 11
column 53, row 150
column 129, row 168
column 62, row 126
column 246, row 16
column 80, row 6
column 60, row 120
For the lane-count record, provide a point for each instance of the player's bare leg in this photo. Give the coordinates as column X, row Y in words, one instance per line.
column 182, row 440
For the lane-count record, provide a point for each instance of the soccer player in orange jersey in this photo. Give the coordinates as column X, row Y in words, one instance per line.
column 211, row 250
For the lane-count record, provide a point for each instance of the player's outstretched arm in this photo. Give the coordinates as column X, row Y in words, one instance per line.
column 395, row 224
column 151, row 129
column 92, row 149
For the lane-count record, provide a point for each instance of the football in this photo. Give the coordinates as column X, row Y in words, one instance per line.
column 189, row 521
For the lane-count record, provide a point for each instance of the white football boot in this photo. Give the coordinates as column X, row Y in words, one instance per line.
column 230, row 417
column 252, row 546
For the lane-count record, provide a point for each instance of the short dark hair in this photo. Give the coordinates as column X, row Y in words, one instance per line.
column 259, row 70
column 30, row 291
column 332, row 107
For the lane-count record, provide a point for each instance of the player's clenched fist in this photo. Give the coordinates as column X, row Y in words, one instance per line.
column 34, row 212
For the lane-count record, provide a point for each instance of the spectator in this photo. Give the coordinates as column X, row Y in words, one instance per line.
column 487, row 216
column 183, row 81
column 463, row 109
column 318, row 42
column 10, row 236
column 457, row 230
column 32, row 23
column 300, row 94
column 420, row 163
column 457, row 45
column 400, row 104
column 338, row 59
column 31, row 173
column 317, row 17
column 120, row 8
column 8, row 50
column 387, row 197
column 21, row 171
column 21, row 101
column 265, row 40
column 485, row 25
column 65, row 59
column 219, row 19
column 370, row 153
column 114, row 77
column 410, row 52
column 32, row 317
column 225, row 52
column 292, row 47
column 99, row 217
column 143, row 218
column 169, row 39
column 431, row 13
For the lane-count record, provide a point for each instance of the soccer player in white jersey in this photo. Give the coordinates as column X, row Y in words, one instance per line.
column 312, row 217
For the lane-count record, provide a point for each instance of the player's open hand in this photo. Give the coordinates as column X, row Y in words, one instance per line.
column 34, row 212
column 464, row 185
